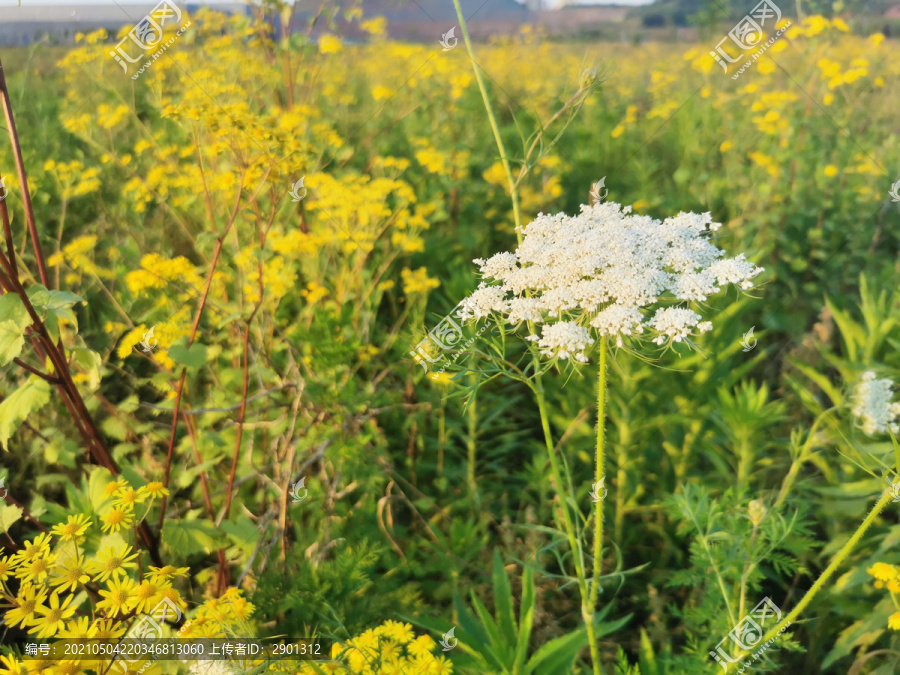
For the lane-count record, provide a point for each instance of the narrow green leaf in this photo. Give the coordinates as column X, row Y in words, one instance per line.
column 503, row 602
column 526, row 618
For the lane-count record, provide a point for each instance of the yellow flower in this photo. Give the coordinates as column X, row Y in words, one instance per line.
column 376, row 26
column 130, row 341
column 876, row 39
column 107, row 629
column 841, row 25
column 828, row 99
column 421, row 646
column 418, row 281
column 113, row 563
column 5, row 568
column 73, row 529
column 53, row 618
column 160, row 574
column 70, row 574
column 40, row 547
column 894, row 621
column 27, row 603
column 119, row 597
column 726, row 146
column 128, row 496
column 380, row 92
column 36, row 569
column 831, row 171
column 883, row 571
column 117, row 518
column 155, row 489
column 329, row 44
column 618, row 131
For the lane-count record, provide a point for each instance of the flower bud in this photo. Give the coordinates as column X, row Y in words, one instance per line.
column 757, row 512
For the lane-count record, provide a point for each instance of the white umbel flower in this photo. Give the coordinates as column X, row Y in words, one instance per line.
column 609, row 270
column 872, row 405
column 562, row 340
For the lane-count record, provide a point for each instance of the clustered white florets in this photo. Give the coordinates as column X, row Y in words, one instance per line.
column 604, row 268
column 872, row 405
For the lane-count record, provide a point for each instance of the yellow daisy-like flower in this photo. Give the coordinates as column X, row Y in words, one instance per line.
column 119, row 598
column 74, row 528
column 36, row 570
column 161, row 574
column 5, row 568
column 114, row 486
column 107, row 629
column 894, row 621
column 53, row 618
column 9, row 665
column 128, row 496
column 145, row 592
column 70, row 574
column 421, row 646
column 155, row 489
column 40, row 547
column 112, row 563
column 831, row 171
column 883, row 571
column 78, row 629
column 27, row 603
column 118, row 518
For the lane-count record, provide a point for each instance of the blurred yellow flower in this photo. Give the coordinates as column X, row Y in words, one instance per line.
column 831, row 171
column 418, row 281
column 330, row 44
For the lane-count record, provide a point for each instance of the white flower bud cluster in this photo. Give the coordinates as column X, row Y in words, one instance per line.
column 605, row 268
column 872, row 405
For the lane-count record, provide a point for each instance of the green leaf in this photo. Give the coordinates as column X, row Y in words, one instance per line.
column 90, row 361
column 191, row 357
column 12, row 339
column 503, row 602
column 13, row 309
column 9, row 514
column 114, row 428
column 558, row 655
column 187, row 537
column 55, row 300
column 526, row 618
column 31, row 396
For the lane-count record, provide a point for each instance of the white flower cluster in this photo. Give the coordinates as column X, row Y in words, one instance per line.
column 872, row 405
column 603, row 268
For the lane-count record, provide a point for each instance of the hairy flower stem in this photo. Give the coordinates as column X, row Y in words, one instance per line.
column 511, row 183
column 587, row 607
column 601, row 441
column 839, row 558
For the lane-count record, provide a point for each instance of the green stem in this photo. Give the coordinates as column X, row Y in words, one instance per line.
column 587, row 607
column 513, row 193
column 841, row 555
column 801, row 458
column 601, row 440
column 472, row 417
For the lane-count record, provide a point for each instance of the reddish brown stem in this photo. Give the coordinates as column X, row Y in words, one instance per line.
column 23, row 179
